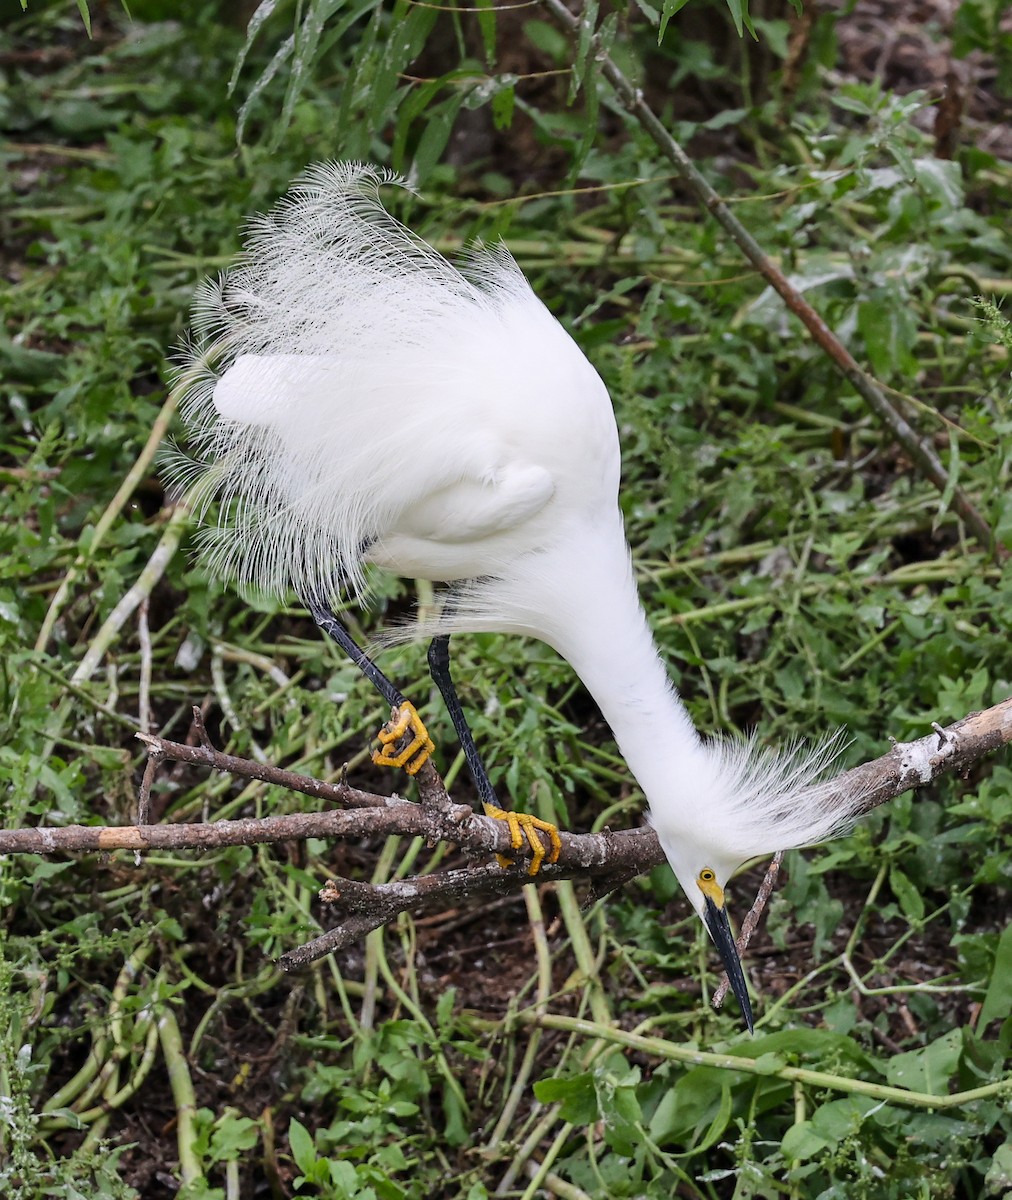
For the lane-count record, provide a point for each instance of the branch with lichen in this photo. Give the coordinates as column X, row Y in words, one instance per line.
column 606, row 860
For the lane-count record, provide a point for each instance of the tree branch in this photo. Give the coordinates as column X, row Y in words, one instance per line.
column 631, row 99
column 607, row 859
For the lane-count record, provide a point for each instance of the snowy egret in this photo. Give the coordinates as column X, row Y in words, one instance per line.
column 358, row 399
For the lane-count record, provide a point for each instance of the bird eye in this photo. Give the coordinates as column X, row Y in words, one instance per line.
column 706, row 875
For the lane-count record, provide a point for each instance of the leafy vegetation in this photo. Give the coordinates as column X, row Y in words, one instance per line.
column 799, row 572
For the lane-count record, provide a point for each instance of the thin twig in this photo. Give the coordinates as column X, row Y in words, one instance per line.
column 155, row 760
column 751, row 922
column 631, row 99
column 144, row 683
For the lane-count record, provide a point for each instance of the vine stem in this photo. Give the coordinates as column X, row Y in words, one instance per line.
column 763, row 1065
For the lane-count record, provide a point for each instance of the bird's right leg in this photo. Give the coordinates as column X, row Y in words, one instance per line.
column 404, row 740
column 520, row 825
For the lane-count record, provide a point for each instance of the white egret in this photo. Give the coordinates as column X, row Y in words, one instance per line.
column 368, row 402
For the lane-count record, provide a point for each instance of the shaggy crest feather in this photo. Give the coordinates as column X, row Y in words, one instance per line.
column 779, row 794
column 309, row 370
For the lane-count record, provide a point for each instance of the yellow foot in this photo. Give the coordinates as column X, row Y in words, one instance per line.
column 521, row 826
column 404, row 741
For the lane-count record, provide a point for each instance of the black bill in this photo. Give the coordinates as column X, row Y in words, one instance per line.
column 720, row 930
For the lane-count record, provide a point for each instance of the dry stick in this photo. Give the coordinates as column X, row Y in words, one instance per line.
column 607, row 859
column 631, row 99
column 126, row 489
column 751, row 922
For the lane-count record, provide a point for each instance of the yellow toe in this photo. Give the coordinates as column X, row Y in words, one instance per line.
column 404, row 741
column 522, row 826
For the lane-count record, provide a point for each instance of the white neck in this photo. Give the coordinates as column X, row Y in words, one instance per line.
column 603, row 633
column 715, row 804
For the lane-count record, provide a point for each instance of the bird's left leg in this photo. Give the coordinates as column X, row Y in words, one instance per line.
column 404, row 740
column 520, row 825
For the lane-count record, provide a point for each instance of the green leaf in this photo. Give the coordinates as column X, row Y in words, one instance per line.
column 998, row 997
column 769, row 1064
column 503, row 103
column 668, row 10
column 975, row 26
column 941, row 179
column 908, row 896
column 998, row 1180
column 456, row 1129
column 889, row 330
column 344, row 1176
column 438, row 127
column 838, row 1120
column 576, row 1094
column 303, row 1149
column 28, row 365
column 620, row 1108
column 82, row 8
column 584, row 40
column 549, row 40
column 701, row 1099
column 233, row 1135
column 928, row 1069
column 734, row 7
column 801, row 1141
column 487, row 25
column 444, row 1009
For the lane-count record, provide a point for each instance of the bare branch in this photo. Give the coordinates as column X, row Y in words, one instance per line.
column 919, row 450
column 607, row 860
column 908, row 765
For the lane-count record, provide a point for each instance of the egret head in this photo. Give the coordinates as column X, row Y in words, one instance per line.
column 703, row 883
column 734, row 799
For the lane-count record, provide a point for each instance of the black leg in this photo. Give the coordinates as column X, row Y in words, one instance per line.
column 521, row 825
column 404, row 740
column 439, row 669
column 333, row 628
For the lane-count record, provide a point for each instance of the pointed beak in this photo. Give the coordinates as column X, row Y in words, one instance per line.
column 720, row 930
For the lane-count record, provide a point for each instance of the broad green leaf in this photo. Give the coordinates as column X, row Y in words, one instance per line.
column 233, row 1135
column 576, row 1094
column 998, row 997
column 344, row 1176
column 905, row 892
column 801, row 1141
column 941, row 179
column 301, row 1142
column 998, row 1180
column 839, row 1119
column 769, row 1064
column 668, row 10
column 889, row 330
column 928, row 1069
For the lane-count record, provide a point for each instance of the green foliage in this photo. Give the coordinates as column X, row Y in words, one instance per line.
column 799, row 574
